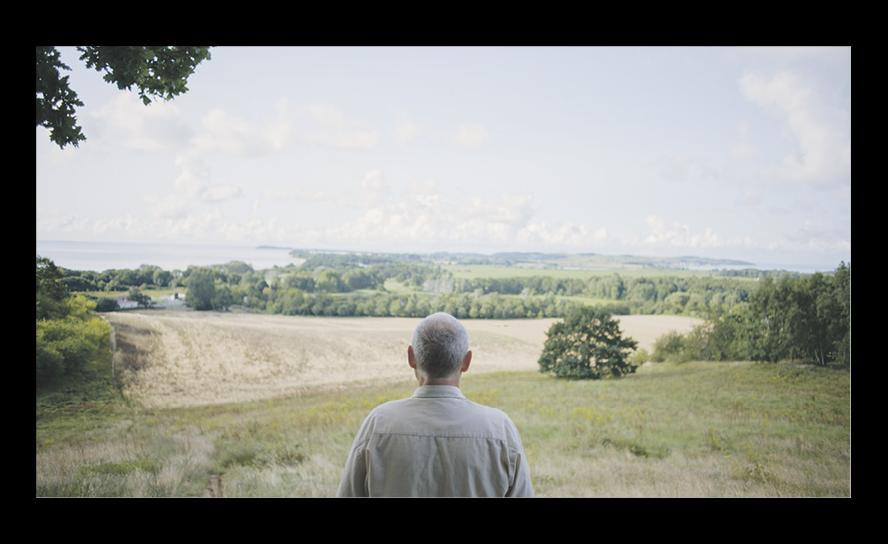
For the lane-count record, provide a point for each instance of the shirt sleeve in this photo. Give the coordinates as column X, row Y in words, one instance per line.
column 520, row 484
column 354, row 477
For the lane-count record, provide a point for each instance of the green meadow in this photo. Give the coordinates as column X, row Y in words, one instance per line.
column 698, row 429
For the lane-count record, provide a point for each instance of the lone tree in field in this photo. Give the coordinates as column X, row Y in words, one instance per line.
column 201, row 289
column 587, row 344
column 155, row 72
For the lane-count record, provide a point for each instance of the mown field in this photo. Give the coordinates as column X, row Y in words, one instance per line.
column 695, row 429
column 175, row 358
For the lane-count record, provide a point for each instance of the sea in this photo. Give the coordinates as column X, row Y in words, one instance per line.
column 100, row 256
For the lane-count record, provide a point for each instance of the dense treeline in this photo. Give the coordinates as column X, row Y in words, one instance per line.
column 793, row 318
column 333, row 284
column 339, row 260
column 69, row 335
column 495, row 306
column 756, row 273
column 316, row 278
column 302, row 293
column 120, row 279
column 697, row 296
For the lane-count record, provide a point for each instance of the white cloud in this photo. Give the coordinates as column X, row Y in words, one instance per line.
column 794, row 53
column 333, row 128
column 471, row 135
column 374, row 182
column 255, row 230
column 682, row 168
column 155, row 127
column 679, row 235
column 115, row 225
column 56, row 222
column 278, row 132
column 46, row 148
column 750, row 199
column 227, row 133
column 515, row 211
column 423, row 216
column 821, row 135
column 742, row 151
column 818, row 236
column 304, row 195
column 561, row 235
column 190, row 188
column 326, row 114
column 360, row 139
column 187, row 187
column 220, row 193
column 406, row 132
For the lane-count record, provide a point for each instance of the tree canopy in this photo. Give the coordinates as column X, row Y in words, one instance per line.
column 586, row 344
column 154, row 71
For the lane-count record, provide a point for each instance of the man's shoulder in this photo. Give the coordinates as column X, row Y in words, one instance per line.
column 388, row 407
column 490, row 411
column 396, row 409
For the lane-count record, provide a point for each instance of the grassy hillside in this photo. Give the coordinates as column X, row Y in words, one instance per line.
column 697, row 429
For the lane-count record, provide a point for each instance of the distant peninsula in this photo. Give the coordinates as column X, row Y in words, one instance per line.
column 565, row 261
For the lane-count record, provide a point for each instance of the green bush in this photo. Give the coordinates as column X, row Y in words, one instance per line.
column 640, row 357
column 106, row 304
column 67, row 346
column 671, row 347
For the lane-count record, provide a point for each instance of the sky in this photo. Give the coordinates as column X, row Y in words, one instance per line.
column 721, row 152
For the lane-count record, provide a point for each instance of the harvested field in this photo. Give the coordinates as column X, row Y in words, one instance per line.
column 175, row 359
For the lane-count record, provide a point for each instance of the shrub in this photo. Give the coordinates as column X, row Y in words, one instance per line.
column 640, row 357
column 671, row 347
column 67, row 346
column 106, row 305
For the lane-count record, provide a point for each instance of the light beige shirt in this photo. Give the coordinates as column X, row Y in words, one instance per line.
column 436, row 443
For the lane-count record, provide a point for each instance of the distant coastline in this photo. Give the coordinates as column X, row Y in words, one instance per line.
column 101, row 256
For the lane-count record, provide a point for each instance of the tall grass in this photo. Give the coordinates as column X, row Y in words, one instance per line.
column 695, row 429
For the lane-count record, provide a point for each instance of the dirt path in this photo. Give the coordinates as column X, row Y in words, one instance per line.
column 174, row 358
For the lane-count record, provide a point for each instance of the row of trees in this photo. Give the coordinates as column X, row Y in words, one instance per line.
column 698, row 296
column 462, row 306
column 306, row 290
column 797, row 318
column 69, row 335
column 317, row 279
column 121, row 279
column 207, row 290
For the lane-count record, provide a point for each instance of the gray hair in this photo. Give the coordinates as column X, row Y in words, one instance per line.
column 440, row 344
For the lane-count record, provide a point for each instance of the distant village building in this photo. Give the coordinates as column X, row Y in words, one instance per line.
column 174, row 300
column 124, row 303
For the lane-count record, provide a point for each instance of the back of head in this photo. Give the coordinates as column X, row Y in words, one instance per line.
column 440, row 343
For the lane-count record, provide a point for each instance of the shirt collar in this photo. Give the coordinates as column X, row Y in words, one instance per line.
column 438, row 391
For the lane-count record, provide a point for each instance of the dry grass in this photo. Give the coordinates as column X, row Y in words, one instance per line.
column 169, row 359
